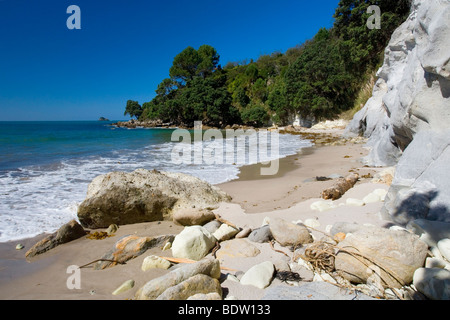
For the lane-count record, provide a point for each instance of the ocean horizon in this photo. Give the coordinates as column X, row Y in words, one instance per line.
column 46, row 167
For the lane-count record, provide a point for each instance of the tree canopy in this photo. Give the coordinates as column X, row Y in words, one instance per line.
column 316, row 79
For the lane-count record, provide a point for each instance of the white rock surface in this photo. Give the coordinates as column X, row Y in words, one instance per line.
column 323, row 205
column 259, row 275
column 371, row 198
column 433, row 283
column 127, row 285
column 354, row 202
column 225, row 232
column 406, row 120
column 312, row 223
column 444, row 248
column 154, row 262
column 193, row 243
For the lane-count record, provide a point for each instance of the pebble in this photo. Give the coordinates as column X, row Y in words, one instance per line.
column 355, row 202
column 323, row 205
column 112, row 229
column 433, row 283
column 212, row 226
column 225, row 232
column 243, row 233
column 259, row 275
column 312, row 223
column 154, row 262
column 434, row 263
column 127, row 285
column 261, row 235
column 324, row 277
column 20, row 246
column 444, row 248
column 371, row 198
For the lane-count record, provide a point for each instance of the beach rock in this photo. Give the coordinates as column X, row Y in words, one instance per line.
column 212, row 226
column 225, row 232
column 144, row 196
column 193, row 217
column 289, row 234
column 244, row 233
column 68, row 232
column 154, row 288
column 237, row 248
column 112, row 229
column 261, row 235
column 398, row 252
column 259, row 275
column 323, row 205
column 205, row 296
column 193, row 243
column 433, row 283
column 435, row 263
column 198, row 284
column 154, row 262
column 19, row 246
column 354, row 202
column 444, row 248
column 371, row 198
column 312, row 223
column 130, row 247
column 431, row 232
column 313, row 291
column 385, row 176
column 127, row 285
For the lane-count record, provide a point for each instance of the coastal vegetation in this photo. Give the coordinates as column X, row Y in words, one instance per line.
column 319, row 79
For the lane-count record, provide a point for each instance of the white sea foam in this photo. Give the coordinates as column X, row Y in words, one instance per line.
column 36, row 200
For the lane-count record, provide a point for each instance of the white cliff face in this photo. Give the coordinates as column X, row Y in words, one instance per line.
column 407, row 119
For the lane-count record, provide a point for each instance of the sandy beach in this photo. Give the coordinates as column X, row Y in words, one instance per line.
column 288, row 195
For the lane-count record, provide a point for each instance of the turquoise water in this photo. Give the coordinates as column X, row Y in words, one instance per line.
column 43, row 143
column 46, row 167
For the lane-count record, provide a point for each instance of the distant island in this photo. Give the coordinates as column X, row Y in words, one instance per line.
column 103, row 119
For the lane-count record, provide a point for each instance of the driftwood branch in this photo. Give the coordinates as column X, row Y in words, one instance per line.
column 98, row 260
column 340, row 188
column 218, row 218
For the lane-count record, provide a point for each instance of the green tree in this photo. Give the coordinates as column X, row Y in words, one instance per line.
column 318, row 83
column 278, row 102
column 364, row 46
column 184, row 66
column 255, row 115
column 133, row 108
column 209, row 60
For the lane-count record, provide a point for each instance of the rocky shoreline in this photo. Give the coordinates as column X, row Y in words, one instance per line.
column 214, row 253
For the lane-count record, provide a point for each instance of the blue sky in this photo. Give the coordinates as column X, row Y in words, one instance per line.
column 125, row 48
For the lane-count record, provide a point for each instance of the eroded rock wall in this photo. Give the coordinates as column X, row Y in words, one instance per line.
column 407, row 119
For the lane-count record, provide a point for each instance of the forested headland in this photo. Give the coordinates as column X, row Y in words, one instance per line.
column 319, row 79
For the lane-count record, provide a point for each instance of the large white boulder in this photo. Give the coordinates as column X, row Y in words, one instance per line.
column 143, row 196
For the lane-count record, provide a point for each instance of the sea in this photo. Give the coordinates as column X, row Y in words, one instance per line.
column 46, row 167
